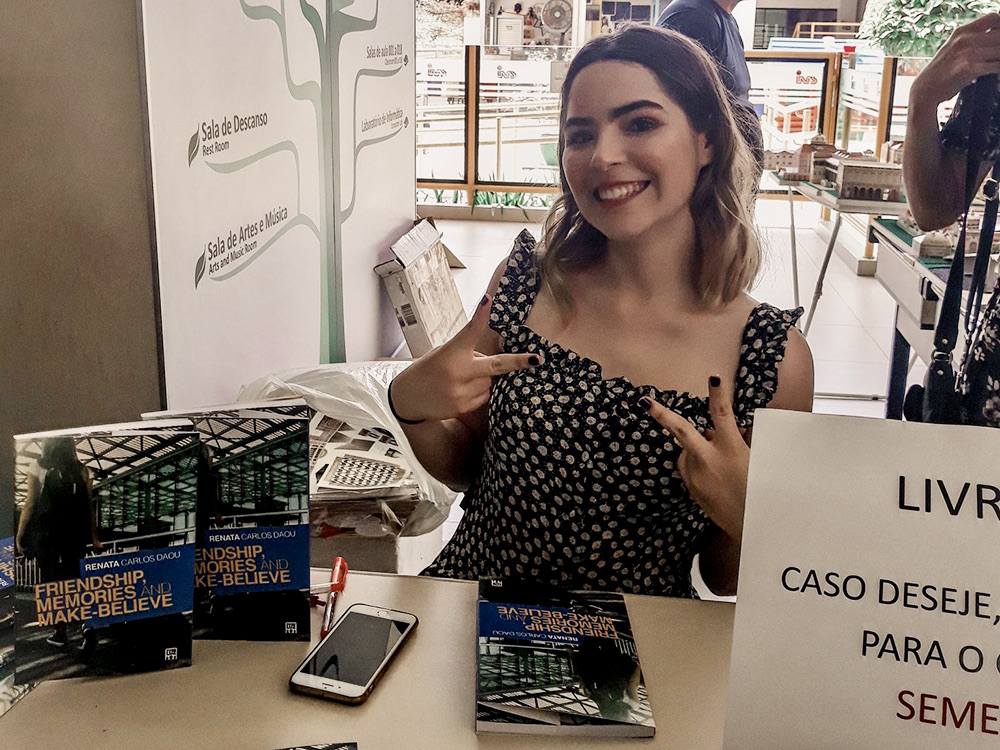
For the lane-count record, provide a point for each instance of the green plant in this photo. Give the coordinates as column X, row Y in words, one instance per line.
column 485, row 198
column 917, row 28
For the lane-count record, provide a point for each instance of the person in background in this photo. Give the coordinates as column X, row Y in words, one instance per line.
column 58, row 520
column 597, row 408
column 934, row 164
column 711, row 24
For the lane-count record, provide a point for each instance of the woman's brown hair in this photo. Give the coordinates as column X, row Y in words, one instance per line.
column 727, row 255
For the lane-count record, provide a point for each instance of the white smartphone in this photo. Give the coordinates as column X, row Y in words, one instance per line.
column 347, row 663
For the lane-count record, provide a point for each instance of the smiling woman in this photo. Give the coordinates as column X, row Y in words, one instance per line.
column 598, row 407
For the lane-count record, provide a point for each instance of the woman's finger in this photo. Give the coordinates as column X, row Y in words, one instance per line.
column 683, row 431
column 501, row 364
column 720, row 405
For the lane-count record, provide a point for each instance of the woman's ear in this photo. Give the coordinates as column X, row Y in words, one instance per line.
column 705, row 151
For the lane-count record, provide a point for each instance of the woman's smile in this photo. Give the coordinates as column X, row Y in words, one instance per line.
column 615, row 194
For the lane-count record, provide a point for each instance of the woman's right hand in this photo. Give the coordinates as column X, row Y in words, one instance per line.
column 454, row 379
column 972, row 50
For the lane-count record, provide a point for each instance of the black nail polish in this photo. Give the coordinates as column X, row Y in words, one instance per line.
column 484, row 300
column 533, row 360
column 646, row 403
column 715, row 381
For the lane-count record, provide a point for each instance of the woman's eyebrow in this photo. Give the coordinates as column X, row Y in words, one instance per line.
column 615, row 113
column 632, row 106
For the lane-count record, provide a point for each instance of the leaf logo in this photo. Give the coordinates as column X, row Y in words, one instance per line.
column 199, row 270
column 193, row 147
column 406, row 60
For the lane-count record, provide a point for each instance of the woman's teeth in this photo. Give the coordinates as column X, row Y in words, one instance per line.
column 619, row 192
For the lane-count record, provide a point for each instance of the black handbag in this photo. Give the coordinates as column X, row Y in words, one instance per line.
column 968, row 396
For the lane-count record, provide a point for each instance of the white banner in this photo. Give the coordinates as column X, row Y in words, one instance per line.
column 773, row 76
column 373, row 49
column 501, row 71
column 283, row 160
column 235, row 112
column 869, row 599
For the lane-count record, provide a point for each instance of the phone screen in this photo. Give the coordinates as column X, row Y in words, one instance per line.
column 355, row 648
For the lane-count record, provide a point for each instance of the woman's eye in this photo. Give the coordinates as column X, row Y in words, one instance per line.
column 641, row 124
column 578, row 137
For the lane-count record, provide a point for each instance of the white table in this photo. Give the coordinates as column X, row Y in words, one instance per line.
column 236, row 693
column 840, row 206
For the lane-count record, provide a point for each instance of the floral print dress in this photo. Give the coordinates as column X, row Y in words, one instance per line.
column 578, row 485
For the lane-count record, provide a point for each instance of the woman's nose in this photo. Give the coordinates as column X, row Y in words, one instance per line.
column 608, row 150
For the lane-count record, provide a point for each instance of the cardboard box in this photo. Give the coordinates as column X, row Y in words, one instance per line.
column 422, row 290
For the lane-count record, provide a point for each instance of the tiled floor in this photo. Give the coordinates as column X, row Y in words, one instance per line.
column 850, row 335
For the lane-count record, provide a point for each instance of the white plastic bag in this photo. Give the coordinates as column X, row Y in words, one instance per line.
column 356, row 393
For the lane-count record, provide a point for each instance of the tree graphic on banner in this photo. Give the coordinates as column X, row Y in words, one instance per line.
column 324, row 95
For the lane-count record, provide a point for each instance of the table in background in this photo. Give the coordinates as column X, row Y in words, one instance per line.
column 829, row 199
column 916, row 290
column 236, row 695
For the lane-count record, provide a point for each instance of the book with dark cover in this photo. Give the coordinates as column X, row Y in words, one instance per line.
column 553, row 661
column 104, row 564
column 252, row 548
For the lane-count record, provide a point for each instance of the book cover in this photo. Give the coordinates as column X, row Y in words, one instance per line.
column 10, row 693
column 104, row 551
column 252, row 549
column 553, row 661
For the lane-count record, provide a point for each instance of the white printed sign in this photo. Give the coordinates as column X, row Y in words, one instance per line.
column 500, row 71
column 785, row 75
column 869, row 595
column 235, row 115
column 510, row 31
column 283, row 160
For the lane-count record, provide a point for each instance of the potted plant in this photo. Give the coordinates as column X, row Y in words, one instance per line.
column 917, row 28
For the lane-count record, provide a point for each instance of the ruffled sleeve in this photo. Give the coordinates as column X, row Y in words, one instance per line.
column 518, row 288
column 763, row 348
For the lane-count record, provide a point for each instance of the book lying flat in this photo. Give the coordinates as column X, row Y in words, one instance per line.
column 553, row 661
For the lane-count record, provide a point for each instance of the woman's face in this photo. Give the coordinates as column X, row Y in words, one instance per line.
column 630, row 156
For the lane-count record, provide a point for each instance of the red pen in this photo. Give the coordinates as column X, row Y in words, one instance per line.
column 338, row 577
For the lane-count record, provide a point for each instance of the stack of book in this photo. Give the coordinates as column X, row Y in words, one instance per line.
column 104, row 565
column 132, row 539
column 252, row 540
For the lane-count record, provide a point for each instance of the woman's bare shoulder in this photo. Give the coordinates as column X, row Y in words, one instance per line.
column 795, row 375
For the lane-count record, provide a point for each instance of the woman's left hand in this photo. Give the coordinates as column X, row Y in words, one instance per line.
column 713, row 465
